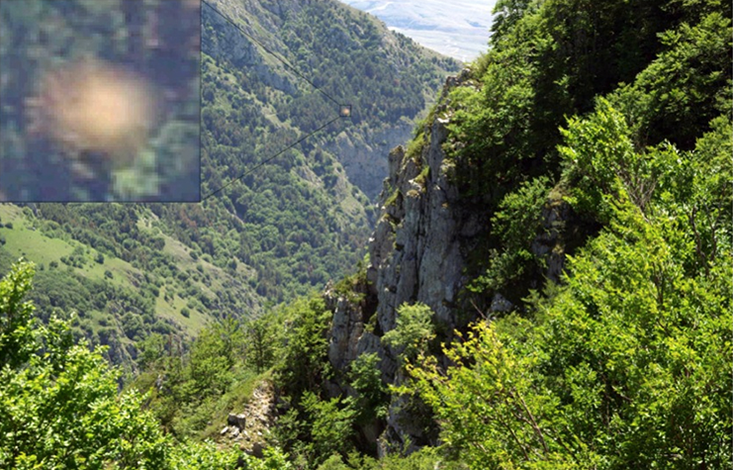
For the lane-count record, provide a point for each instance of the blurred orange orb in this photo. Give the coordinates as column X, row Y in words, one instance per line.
column 94, row 106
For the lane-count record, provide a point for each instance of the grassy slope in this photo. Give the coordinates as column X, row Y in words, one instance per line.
column 25, row 239
column 29, row 239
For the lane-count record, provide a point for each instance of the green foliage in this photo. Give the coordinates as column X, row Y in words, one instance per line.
column 601, row 164
column 393, row 197
column 352, row 287
column 516, row 223
column 366, row 379
column 354, row 65
column 427, row 458
column 330, row 427
column 598, row 154
column 304, row 362
column 686, row 86
column 151, row 350
column 541, row 66
column 493, row 127
column 506, row 14
column 60, row 408
column 211, row 359
column 140, row 286
column 663, row 75
column 203, row 456
column 298, row 231
column 313, row 424
column 316, row 428
column 413, row 331
column 16, row 324
column 625, row 366
column 274, row 459
column 260, row 335
column 416, row 145
column 188, row 390
column 492, row 418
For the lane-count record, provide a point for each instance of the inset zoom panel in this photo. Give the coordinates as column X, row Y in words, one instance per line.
column 100, row 100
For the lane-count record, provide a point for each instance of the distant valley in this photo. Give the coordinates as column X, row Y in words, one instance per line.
column 287, row 228
column 459, row 29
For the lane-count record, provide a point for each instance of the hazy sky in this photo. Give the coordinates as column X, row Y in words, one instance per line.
column 458, row 28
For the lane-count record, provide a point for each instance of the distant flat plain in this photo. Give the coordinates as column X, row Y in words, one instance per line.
column 456, row 28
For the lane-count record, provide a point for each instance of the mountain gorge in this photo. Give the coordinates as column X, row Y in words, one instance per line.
column 504, row 223
column 273, row 228
column 547, row 283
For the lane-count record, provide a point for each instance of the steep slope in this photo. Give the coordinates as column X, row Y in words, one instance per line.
column 500, row 200
column 293, row 47
column 283, row 229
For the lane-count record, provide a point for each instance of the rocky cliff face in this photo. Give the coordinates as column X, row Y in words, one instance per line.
column 418, row 253
column 356, row 150
column 416, row 250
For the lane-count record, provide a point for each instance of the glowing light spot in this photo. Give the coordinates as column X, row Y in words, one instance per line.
column 95, row 106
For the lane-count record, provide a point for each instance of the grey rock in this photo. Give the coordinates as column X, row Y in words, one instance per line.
column 238, row 420
column 415, row 255
column 356, row 152
column 500, row 304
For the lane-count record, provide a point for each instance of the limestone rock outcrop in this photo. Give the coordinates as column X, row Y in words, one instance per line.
column 416, row 255
column 419, row 252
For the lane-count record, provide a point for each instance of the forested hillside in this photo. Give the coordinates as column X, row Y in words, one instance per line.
column 348, row 55
column 286, row 228
column 548, row 285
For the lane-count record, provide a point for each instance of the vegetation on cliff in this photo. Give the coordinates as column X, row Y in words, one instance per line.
column 605, row 128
